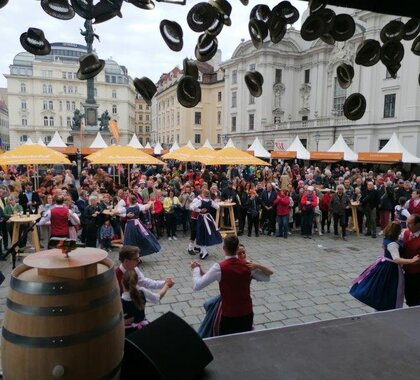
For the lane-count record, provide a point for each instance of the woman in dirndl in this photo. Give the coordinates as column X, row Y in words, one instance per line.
column 135, row 232
column 207, row 232
column 381, row 285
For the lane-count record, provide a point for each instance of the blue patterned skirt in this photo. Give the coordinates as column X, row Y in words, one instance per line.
column 138, row 235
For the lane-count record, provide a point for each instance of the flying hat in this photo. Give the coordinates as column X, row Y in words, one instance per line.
column 415, row 48
column 287, row 11
column 277, row 27
column 34, row 41
column 258, row 32
column 392, row 52
column 146, row 88
column 329, row 17
column 393, row 70
column 313, row 27
column 3, row 3
column 355, row 106
column 89, row 66
column 224, row 8
column 172, row 34
column 260, row 12
column 188, row 92
column 60, row 9
column 316, row 5
column 206, row 47
column 142, row 4
column 368, row 53
column 344, row 27
column 105, row 10
column 345, row 74
column 393, row 30
column 411, row 29
column 83, row 9
column 245, row 2
column 190, row 68
column 201, row 16
column 254, row 81
column 217, row 26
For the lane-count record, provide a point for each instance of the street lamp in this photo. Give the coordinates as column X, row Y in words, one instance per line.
column 317, row 138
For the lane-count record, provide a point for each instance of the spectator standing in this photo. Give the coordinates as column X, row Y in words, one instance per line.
column 370, row 201
column 338, row 205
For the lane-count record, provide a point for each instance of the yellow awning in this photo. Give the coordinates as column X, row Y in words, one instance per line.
column 234, row 156
column 116, row 154
column 182, row 154
column 203, row 155
column 33, row 155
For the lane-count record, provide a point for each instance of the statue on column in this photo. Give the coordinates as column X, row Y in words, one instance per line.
column 77, row 119
column 104, row 121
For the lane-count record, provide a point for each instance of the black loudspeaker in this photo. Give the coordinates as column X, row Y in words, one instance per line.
column 166, row 349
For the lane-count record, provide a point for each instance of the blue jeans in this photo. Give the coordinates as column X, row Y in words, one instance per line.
column 283, row 222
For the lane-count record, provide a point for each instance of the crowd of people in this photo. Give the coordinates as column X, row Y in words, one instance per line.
column 135, row 211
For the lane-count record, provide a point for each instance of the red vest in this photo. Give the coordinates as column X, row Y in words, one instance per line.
column 411, row 248
column 59, row 222
column 119, row 273
column 412, row 209
column 235, row 288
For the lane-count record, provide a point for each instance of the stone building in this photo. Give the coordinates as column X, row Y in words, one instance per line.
column 143, row 120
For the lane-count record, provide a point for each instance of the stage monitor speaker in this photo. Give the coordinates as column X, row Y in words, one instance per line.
column 166, row 349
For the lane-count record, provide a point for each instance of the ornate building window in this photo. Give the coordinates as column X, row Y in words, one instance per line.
column 45, row 121
column 23, row 139
column 234, row 77
column 339, row 98
column 251, row 119
column 23, row 87
column 389, row 105
column 233, row 124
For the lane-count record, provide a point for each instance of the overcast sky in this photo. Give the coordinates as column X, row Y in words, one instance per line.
column 133, row 41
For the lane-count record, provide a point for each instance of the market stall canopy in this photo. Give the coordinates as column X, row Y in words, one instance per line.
column 98, row 142
column 148, row 146
column 174, row 147
column 284, row 154
column 158, row 149
column 327, row 156
column 135, row 143
column 341, row 146
column 394, row 146
column 182, row 154
column 301, row 152
column 203, row 155
column 234, row 156
column 259, row 150
column 57, row 141
column 207, row 144
column 33, row 155
column 230, row 144
column 379, row 158
column 190, row 145
column 29, row 142
column 40, row 142
column 117, row 154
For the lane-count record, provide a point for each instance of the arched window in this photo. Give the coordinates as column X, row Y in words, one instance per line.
column 45, row 121
column 51, row 121
column 23, row 139
column 44, row 88
column 50, row 89
column 22, row 87
column 50, row 105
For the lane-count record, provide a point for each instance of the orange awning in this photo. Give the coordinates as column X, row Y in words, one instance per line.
column 283, row 154
column 379, row 158
column 65, row 150
column 327, row 156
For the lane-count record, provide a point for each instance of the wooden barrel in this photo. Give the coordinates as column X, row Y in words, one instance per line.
column 57, row 328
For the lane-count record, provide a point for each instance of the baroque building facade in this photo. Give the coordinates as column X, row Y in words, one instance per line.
column 143, row 120
column 44, row 92
column 301, row 95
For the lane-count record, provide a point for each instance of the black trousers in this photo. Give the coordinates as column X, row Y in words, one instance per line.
column 233, row 325
column 271, row 216
column 412, row 289
column 342, row 220
column 170, row 218
column 253, row 221
column 242, row 218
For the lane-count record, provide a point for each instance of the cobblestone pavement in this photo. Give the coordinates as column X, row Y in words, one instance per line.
column 311, row 280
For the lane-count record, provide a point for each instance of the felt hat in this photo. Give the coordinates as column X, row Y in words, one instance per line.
column 206, row 47
column 316, row 5
column 345, row 74
column 344, row 27
column 172, row 34
column 146, row 88
column 415, row 47
column 393, row 30
column 105, row 10
column 313, row 27
column 142, row 4
column 245, row 2
column 254, row 81
column 287, row 11
column 355, row 106
column 393, row 70
column 83, row 9
column 190, row 68
column 411, row 29
column 217, row 26
column 224, row 8
column 3, row 3
column 277, row 27
column 368, row 53
column 34, row 41
column 89, row 66
column 188, row 92
column 258, row 32
column 260, row 12
column 392, row 52
column 329, row 17
column 60, row 9
column 201, row 16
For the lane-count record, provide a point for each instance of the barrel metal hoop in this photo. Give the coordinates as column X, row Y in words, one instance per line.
column 59, row 311
column 111, row 374
column 60, row 341
column 59, row 288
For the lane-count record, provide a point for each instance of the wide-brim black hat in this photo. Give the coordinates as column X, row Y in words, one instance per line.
column 245, row 2
column 258, row 31
column 392, row 53
column 3, row 3
column 260, row 12
column 201, row 16
column 393, row 70
column 34, row 41
column 224, row 8
column 415, row 47
column 354, row 107
column 89, row 66
column 368, row 53
column 142, row 4
column 172, row 34
column 316, row 5
column 83, row 9
column 60, row 9
column 393, row 30
column 277, row 27
column 345, row 74
column 206, row 47
column 189, row 67
column 188, row 92
column 254, row 81
column 216, row 27
column 344, row 27
column 411, row 29
column 313, row 27
column 104, row 10
column 146, row 88
column 287, row 11
column 329, row 18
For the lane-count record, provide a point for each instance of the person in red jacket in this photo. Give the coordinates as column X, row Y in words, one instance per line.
column 413, row 205
column 308, row 202
column 282, row 207
column 157, row 215
column 324, row 206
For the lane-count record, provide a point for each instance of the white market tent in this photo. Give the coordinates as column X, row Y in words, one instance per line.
column 190, row 145
column 40, row 142
column 394, row 146
column 230, row 144
column 174, row 146
column 135, row 143
column 148, row 146
column 29, row 142
column 301, row 152
column 99, row 142
column 57, row 142
column 341, row 146
column 207, row 144
column 258, row 149
column 157, row 149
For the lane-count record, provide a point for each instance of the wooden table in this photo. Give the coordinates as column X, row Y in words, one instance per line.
column 226, row 230
column 354, row 206
column 20, row 220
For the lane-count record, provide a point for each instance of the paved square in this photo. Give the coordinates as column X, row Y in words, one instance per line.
column 311, row 278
